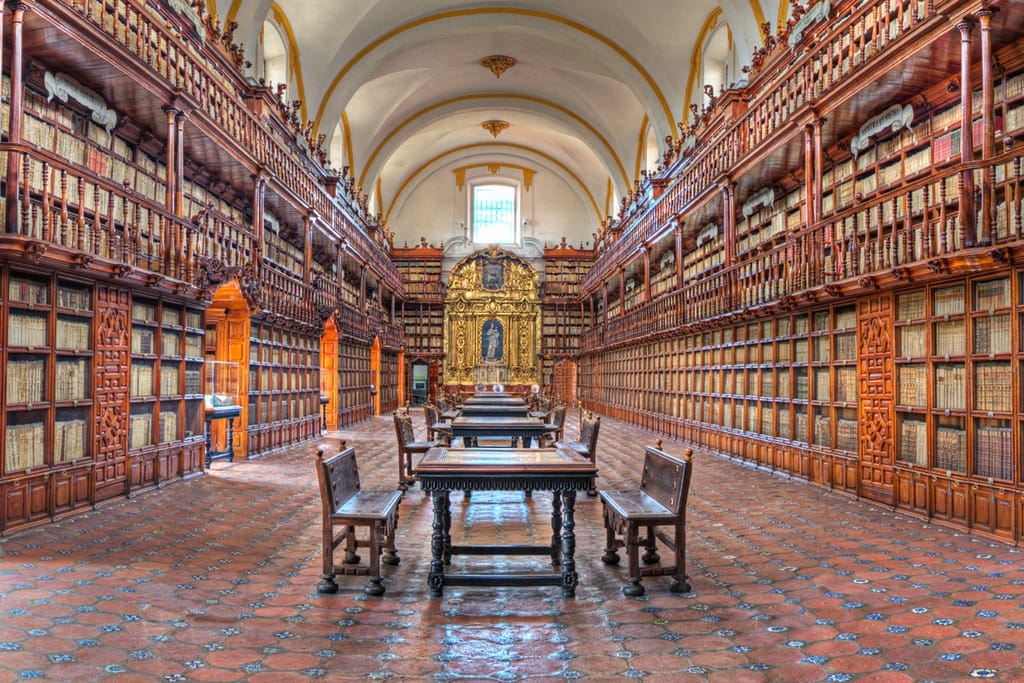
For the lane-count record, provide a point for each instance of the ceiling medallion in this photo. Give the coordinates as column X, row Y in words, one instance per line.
column 498, row 64
column 494, row 127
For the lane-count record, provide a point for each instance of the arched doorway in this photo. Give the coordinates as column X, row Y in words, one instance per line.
column 375, row 375
column 329, row 373
column 226, row 351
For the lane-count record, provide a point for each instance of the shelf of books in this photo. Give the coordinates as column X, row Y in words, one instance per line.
column 422, row 278
column 562, row 277
column 955, row 394
column 387, row 387
column 354, row 379
column 424, row 327
column 48, row 396
column 165, row 389
column 284, row 387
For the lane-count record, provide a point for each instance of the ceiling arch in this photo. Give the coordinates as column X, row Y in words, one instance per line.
column 506, row 101
column 465, row 150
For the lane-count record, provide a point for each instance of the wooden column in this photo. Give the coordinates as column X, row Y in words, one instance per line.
column 819, row 158
column 16, row 114
column 988, row 143
column 307, row 249
column 807, row 209
column 679, row 271
column 729, row 237
column 259, row 196
column 647, row 273
column 967, row 227
column 362, row 288
column 171, row 160
column 179, row 162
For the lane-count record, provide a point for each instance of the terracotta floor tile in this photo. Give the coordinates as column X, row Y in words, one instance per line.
column 790, row 583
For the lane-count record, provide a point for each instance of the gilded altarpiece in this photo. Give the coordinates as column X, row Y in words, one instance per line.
column 492, row 321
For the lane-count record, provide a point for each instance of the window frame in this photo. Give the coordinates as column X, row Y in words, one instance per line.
column 517, row 233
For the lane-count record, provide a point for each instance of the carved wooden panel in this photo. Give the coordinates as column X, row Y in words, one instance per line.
column 875, row 379
column 112, row 365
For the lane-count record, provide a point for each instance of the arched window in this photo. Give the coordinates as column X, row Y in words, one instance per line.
column 274, row 57
column 716, row 60
column 494, row 213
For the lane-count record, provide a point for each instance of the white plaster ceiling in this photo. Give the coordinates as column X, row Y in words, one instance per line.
column 405, row 78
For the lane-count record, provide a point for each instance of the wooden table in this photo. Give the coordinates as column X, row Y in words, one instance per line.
column 493, row 400
column 561, row 471
column 472, row 427
column 483, row 409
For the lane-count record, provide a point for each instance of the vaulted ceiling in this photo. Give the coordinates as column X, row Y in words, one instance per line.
column 592, row 89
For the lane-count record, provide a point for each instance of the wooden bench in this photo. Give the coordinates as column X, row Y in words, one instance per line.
column 346, row 507
column 659, row 502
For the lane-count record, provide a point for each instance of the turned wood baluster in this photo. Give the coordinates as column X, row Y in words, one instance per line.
column 45, row 208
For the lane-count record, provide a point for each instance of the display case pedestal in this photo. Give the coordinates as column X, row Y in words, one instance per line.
column 228, row 413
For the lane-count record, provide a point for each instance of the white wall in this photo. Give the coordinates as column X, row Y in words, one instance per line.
column 434, row 207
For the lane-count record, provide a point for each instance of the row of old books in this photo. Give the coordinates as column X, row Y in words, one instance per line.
column 27, row 329
column 143, row 340
column 69, row 439
column 141, row 379
column 951, row 449
column 74, row 334
column 25, row 380
column 72, row 379
column 993, row 454
column 846, row 434
column 140, row 431
column 993, row 387
column 914, row 442
column 169, row 380
column 992, row 335
column 168, row 426
column 950, row 391
column 28, row 291
column 949, row 338
column 911, row 385
column 23, row 446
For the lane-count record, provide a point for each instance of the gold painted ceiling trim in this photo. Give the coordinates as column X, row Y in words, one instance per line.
column 233, row 10
column 495, row 145
column 784, row 9
column 497, row 10
column 487, row 96
column 494, row 168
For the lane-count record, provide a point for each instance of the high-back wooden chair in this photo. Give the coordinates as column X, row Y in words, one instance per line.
column 408, row 447
column 659, row 502
column 438, row 430
column 554, row 425
column 347, row 508
column 586, row 445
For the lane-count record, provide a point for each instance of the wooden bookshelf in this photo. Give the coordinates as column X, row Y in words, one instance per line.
column 284, row 386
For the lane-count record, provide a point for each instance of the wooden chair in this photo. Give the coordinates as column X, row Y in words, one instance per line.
column 554, row 425
column 590, row 426
column 408, row 447
column 660, row 502
column 346, row 507
column 438, row 429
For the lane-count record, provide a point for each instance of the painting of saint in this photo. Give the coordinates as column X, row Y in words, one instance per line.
column 492, row 338
column 492, row 276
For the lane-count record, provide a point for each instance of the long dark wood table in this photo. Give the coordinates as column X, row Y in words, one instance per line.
column 561, row 471
column 494, row 400
column 473, row 427
column 482, row 409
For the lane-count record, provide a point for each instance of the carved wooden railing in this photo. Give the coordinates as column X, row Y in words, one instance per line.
column 286, row 295
column 353, row 324
column 913, row 226
column 95, row 218
column 842, row 49
column 157, row 46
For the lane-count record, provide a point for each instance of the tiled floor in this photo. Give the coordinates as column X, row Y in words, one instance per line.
column 214, row 579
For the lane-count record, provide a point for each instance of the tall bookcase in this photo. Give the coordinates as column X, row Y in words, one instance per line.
column 48, row 372
column 165, row 386
column 284, row 386
column 354, row 379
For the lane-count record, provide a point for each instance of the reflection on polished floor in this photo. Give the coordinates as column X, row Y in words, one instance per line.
column 214, row 579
